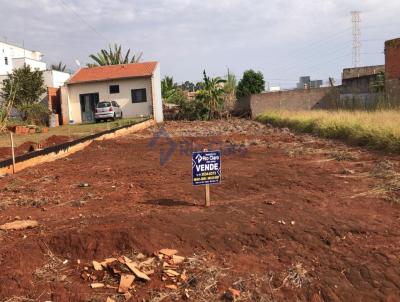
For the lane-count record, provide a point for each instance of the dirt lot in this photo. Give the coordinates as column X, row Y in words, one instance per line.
column 25, row 143
column 296, row 218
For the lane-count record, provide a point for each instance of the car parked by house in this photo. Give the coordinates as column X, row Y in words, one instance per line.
column 136, row 87
column 107, row 110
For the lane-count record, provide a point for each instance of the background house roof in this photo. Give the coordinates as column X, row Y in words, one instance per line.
column 112, row 72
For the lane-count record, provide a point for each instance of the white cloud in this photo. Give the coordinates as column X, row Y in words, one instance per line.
column 284, row 39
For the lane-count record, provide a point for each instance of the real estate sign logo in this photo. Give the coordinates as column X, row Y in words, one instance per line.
column 206, row 167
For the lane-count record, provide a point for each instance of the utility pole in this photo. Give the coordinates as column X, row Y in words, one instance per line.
column 356, row 21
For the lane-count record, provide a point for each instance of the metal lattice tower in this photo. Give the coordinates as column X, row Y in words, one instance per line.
column 356, row 21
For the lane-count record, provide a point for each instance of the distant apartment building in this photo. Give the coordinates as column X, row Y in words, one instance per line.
column 305, row 82
column 14, row 57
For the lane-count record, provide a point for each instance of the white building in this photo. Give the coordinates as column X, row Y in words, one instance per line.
column 13, row 57
column 135, row 87
column 274, row 88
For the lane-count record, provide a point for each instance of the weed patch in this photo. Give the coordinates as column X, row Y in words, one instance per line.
column 378, row 130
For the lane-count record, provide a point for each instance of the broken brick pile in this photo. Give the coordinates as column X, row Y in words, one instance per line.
column 123, row 274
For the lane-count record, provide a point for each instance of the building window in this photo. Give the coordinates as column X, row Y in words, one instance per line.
column 114, row 89
column 6, row 60
column 139, row 95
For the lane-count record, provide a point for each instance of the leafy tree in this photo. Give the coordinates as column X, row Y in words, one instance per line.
column 251, row 83
column 59, row 67
column 6, row 105
column 25, row 87
column 212, row 95
column 189, row 86
column 198, row 86
column 113, row 56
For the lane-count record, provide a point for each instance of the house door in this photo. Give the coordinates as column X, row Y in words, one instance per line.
column 88, row 106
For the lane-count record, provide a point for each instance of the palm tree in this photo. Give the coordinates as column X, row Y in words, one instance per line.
column 167, row 87
column 230, row 91
column 59, row 67
column 212, row 94
column 113, row 57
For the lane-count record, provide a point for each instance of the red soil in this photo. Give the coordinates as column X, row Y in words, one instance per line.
column 345, row 233
column 5, row 152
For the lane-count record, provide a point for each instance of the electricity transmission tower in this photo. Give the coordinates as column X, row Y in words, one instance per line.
column 356, row 21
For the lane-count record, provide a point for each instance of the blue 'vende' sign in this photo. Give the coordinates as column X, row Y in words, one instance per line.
column 206, row 167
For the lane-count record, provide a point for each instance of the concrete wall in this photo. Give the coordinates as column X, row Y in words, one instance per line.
column 242, row 107
column 123, row 98
column 319, row 98
column 355, row 72
column 392, row 87
column 357, row 85
column 360, row 101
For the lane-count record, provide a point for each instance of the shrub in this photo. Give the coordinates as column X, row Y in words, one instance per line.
column 36, row 114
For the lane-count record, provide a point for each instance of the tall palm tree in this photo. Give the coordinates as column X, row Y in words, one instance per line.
column 230, row 91
column 113, row 56
column 212, row 94
column 59, row 67
column 168, row 87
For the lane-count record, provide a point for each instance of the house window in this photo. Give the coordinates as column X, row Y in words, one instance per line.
column 114, row 89
column 6, row 60
column 139, row 95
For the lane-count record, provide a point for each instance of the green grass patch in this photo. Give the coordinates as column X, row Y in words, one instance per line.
column 376, row 129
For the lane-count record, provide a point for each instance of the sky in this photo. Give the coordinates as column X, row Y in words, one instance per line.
column 284, row 39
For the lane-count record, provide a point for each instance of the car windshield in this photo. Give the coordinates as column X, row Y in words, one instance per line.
column 103, row 104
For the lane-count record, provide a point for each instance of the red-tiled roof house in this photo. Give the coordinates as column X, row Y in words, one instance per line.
column 135, row 87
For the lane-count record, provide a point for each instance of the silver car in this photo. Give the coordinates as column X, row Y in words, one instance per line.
column 107, row 110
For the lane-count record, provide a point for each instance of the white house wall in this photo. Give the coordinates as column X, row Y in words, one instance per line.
column 158, row 107
column 5, row 53
column 123, row 98
column 54, row 78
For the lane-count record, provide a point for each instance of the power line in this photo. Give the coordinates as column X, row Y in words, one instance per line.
column 62, row 2
column 297, row 65
column 294, row 55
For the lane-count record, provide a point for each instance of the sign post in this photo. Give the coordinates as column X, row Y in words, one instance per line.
column 12, row 151
column 206, row 170
column 208, row 200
